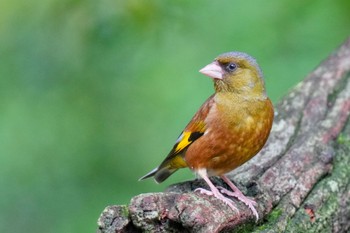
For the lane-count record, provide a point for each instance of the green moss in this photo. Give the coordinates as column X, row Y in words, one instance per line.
column 124, row 211
column 343, row 139
column 246, row 228
column 267, row 223
column 274, row 215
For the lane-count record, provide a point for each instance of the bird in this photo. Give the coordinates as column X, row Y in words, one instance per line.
column 230, row 128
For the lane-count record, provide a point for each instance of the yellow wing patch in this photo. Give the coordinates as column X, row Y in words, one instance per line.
column 178, row 162
column 183, row 142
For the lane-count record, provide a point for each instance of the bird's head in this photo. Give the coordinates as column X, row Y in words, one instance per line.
column 236, row 72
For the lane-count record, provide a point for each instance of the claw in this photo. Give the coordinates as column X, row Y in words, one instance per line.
column 214, row 191
column 239, row 195
column 242, row 198
column 219, row 196
column 204, row 191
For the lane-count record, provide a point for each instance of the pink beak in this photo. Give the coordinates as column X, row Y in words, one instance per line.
column 213, row 70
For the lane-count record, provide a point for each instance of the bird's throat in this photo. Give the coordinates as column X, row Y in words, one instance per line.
column 255, row 91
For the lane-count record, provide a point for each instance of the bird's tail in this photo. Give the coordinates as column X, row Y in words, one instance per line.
column 160, row 173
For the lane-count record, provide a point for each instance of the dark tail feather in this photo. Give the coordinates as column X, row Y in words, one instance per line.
column 149, row 175
column 159, row 174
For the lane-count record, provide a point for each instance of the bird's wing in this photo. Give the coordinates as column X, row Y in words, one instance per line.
column 175, row 159
column 194, row 130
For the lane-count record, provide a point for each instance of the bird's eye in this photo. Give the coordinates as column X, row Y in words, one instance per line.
column 231, row 67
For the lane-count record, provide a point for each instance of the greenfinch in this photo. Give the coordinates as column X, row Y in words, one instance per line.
column 230, row 127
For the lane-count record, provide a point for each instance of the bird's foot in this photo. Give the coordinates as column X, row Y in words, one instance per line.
column 240, row 196
column 204, row 191
column 219, row 196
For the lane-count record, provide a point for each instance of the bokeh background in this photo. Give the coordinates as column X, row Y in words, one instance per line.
column 94, row 93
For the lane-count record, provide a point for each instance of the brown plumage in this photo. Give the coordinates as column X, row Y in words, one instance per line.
column 229, row 128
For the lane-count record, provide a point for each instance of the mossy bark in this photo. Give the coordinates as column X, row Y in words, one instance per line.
column 300, row 180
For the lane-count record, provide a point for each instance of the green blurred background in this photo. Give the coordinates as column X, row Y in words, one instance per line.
column 94, row 93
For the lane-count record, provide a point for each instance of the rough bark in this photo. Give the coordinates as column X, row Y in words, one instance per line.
column 300, row 180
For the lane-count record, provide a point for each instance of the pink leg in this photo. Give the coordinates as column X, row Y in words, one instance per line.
column 214, row 191
column 239, row 195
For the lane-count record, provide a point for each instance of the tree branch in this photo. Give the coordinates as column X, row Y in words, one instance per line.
column 299, row 180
